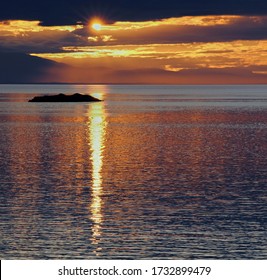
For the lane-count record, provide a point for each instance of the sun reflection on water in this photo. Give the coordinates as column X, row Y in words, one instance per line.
column 97, row 131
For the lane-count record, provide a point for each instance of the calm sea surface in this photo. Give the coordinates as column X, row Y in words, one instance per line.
column 152, row 172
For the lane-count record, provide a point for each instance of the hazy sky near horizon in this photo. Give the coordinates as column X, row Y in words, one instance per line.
column 176, row 42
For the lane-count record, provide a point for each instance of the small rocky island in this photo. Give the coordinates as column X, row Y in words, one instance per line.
column 76, row 97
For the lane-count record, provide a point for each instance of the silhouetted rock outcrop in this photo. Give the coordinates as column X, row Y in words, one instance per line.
column 77, row 97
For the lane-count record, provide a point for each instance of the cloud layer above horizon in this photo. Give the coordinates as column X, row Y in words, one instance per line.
column 189, row 49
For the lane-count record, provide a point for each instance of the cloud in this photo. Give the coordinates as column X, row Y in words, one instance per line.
column 31, row 37
column 21, row 68
column 209, row 55
column 205, row 49
column 187, row 30
column 68, row 12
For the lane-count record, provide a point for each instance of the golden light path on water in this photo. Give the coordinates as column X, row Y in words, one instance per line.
column 97, row 132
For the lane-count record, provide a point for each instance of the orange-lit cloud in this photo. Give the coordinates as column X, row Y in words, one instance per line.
column 168, row 56
column 29, row 36
column 184, row 30
column 175, row 50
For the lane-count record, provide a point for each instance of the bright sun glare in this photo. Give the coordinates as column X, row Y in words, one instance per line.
column 97, row 26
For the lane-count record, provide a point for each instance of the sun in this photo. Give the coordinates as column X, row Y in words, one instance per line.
column 96, row 26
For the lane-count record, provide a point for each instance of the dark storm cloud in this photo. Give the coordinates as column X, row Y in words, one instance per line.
column 64, row 12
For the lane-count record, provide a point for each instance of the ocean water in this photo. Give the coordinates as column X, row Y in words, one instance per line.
column 152, row 172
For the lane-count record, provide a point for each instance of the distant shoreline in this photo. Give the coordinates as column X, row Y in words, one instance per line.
column 143, row 84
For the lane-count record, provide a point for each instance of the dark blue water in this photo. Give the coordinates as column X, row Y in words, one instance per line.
column 152, row 172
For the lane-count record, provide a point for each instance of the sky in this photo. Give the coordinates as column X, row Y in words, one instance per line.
column 144, row 42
